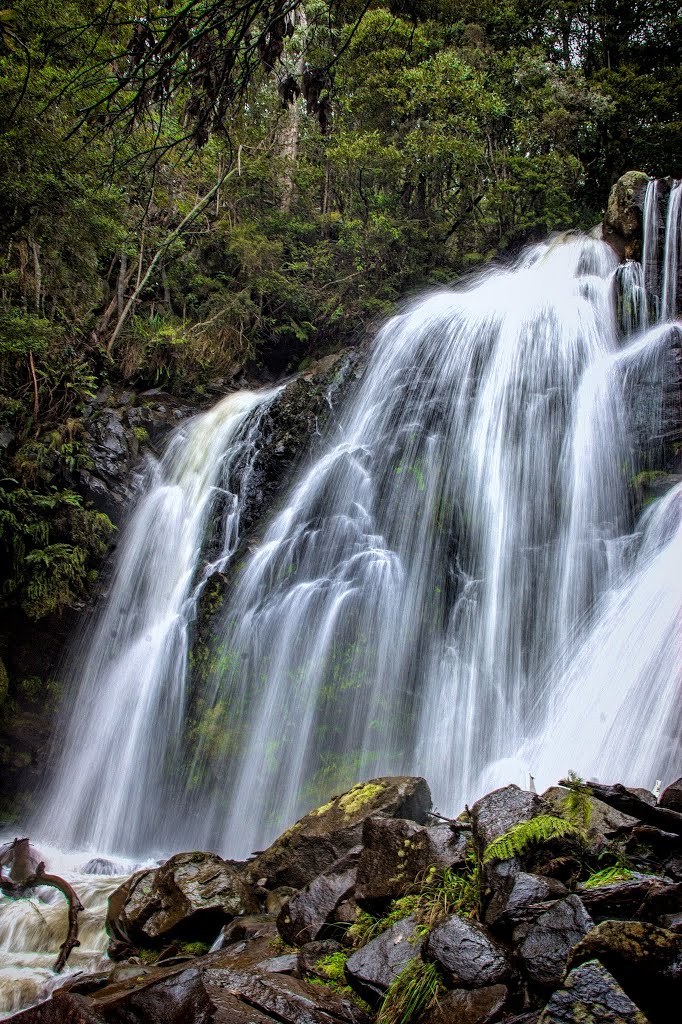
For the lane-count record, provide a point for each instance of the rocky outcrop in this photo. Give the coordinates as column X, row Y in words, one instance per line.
column 622, row 227
column 321, row 838
column 190, row 897
column 497, row 945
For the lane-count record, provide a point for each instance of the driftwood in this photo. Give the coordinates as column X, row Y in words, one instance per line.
column 629, row 803
column 25, row 874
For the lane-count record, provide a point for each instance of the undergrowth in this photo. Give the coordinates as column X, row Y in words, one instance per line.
column 413, row 991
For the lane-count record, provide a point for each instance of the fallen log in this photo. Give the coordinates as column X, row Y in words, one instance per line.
column 21, row 879
column 627, row 802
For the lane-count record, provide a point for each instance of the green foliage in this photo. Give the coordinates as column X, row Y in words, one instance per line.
column 577, row 807
column 608, row 876
column 520, row 838
column 413, row 991
column 194, row 948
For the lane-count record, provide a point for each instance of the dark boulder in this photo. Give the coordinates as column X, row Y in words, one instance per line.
column 644, row 959
column 323, row 836
column 397, row 851
column 371, row 970
column 190, row 897
column 671, row 797
column 310, row 955
column 468, row 957
column 592, row 995
column 496, row 813
column 516, row 893
column 468, row 1006
column 62, row 1008
column 630, row 898
column 545, row 943
column 307, row 913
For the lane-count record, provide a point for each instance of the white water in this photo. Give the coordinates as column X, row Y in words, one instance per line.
column 119, row 767
column 32, row 930
column 441, row 561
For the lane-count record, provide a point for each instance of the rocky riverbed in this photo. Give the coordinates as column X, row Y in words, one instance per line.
column 526, row 909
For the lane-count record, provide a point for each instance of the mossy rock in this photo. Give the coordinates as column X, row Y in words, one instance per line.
column 328, row 832
column 623, row 221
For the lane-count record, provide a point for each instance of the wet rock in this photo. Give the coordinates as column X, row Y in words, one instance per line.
column 323, row 836
column 190, row 897
column 644, row 959
column 545, row 943
column 305, row 915
column 62, row 1008
column 467, row 956
column 604, row 821
column 622, row 227
column 651, row 850
column 671, row 797
column 275, row 900
column 310, row 955
column 287, row 963
column 101, row 866
column 494, row 814
column 246, row 930
column 463, row 1006
column 371, row 970
column 592, row 995
column 516, row 893
column 397, row 851
column 627, row 899
column 662, row 905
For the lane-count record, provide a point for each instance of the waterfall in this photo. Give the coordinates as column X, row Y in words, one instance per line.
column 118, row 772
column 671, row 253
column 657, row 279
column 440, row 561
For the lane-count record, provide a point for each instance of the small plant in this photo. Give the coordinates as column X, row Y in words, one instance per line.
column 413, row 991
column 333, row 967
column 194, row 948
column 519, row 838
column 608, row 876
column 577, row 807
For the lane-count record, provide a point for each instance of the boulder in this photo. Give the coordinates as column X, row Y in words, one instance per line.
column 545, row 943
column 516, row 893
column 323, row 836
column 644, row 959
column 605, row 821
column 189, row 897
column 396, row 851
column 622, row 227
column 468, row 957
column 496, row 813
column 305, row 915
column 468, row 1006
column 310, row 955
column 671, row 797
column 371, row 970
column 592, row 995
column 630, row 898
column 243, row 930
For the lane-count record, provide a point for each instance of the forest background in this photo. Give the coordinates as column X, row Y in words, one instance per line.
column 198, row 193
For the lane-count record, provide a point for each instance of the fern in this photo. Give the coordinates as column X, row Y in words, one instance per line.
column 415, row 988
column 577, row 806
column 519, row 838
column 608, row 876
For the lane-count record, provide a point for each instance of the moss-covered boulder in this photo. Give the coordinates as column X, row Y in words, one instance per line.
column 326, row 834
column 622, row 227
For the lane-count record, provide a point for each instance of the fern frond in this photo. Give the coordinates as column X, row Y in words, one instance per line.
column 516, row 840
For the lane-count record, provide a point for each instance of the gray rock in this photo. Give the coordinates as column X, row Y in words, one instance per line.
column 467, row 956
column 494, row 814
column 310, row 955
column 323, row 836
column 592, row 995
column 285, row 964
column 622, row 227
column 644, row 897
column 190, row 896
column 371, row 970
column 306, row 913
column 671, row 797
column 644, row 959
column 397, row 851
column 515, row 894
column 544, row 944
column 468, row 1006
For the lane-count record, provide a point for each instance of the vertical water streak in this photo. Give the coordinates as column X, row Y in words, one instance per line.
column 120, row 758
column 671, row 253
column 652, row 225
column 632, row 298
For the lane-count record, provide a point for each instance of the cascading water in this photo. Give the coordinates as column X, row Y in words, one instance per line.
column 119, row 770
column 403, row 611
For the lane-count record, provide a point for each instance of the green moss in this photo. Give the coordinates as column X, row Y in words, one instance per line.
column 358, row 796
column 194, row 948
column 323, row 809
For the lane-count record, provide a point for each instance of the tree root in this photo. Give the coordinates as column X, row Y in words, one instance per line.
column 25, row 875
